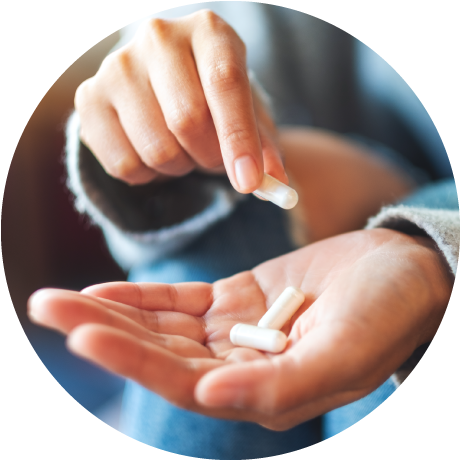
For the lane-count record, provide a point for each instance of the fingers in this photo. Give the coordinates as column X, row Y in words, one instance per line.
column 221, row 64
column 141, row 116
column 64, row 310
column 320, row 365
column 159, row 370
column 155, row 368
column 194, row 298
column 176, row 98
column 177, row 87
column 122, row 87
column 102, row 133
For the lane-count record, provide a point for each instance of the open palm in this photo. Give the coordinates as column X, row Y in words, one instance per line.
column 372, row 297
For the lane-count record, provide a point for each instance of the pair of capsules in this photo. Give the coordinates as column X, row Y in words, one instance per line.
column 267, row 335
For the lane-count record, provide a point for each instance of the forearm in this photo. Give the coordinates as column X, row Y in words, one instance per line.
column 339, row 182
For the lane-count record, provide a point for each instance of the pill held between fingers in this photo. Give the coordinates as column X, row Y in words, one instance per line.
column 275, row 191
column 283, row 309
column 258, row 338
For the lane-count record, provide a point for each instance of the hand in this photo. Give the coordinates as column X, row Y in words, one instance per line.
column 372, row 297
column 177, row 98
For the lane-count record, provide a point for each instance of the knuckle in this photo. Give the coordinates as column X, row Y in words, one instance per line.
column 157, row 25
column 210, row 19
column 160, row 154
column 119, row 63
column 124, row 169
column 107, row 64
column 187, row 122
column 226, row 76
column 157, row 30
column 83, row 95
column 235, row 133
column 181, row 124
column 212, row 24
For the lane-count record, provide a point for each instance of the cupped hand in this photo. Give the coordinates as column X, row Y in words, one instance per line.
column 372, row 297
column 176, row 98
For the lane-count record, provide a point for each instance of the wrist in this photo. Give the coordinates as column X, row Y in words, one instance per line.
column 439, row 280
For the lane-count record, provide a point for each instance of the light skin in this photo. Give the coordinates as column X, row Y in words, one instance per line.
column 175, row 99
column 340, row 185
column 372, row 297
column 178, row 98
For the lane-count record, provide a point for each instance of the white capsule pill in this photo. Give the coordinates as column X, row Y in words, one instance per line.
column 283, row 309
column 276, row 192
column 258, row 338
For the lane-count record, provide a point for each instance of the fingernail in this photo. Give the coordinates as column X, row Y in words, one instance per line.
column 246, row 173
column 35, row 311
column 33, row 317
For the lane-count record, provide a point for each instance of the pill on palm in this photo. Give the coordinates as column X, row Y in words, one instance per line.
column 276, row 192
column 258, row 338
column 283, row 309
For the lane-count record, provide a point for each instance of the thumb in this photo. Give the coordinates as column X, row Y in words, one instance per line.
column 248, row 385
column 314, row 368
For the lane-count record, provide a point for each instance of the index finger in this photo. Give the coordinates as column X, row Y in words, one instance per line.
column 221, row 63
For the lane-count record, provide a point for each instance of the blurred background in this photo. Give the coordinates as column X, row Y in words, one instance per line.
column 45, row 243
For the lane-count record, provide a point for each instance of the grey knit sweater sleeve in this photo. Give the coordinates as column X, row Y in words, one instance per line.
column 144, row 223
column 431, row 211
